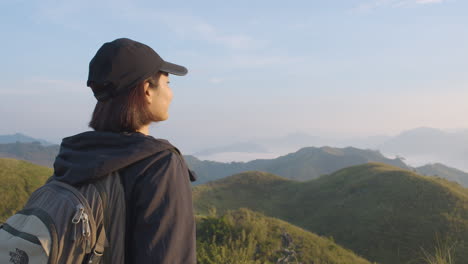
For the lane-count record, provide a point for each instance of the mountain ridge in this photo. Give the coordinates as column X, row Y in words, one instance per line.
column 19, row 137
column 374, row 209
column 306, row 163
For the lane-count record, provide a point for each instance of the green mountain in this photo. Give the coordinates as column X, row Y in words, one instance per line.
column 381, row 212
column 305, row 164
column 440, row 170
column 19, row 179
column 244, row 236
column 33, row 152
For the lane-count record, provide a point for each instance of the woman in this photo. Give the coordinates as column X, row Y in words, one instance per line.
column 131, row 83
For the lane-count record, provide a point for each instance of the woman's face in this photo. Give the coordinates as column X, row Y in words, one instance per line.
column 160, row 98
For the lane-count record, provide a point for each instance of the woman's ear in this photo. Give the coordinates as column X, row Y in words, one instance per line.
column 148, row 92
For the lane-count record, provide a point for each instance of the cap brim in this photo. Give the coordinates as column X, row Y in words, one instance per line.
column 173, row 69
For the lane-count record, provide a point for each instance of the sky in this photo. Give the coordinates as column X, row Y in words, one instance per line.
column 256, row 68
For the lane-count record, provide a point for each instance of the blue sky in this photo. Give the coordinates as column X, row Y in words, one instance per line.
column 256, row 68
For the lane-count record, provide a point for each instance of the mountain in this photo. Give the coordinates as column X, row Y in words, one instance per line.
column 19, row 179
column 250, row 237
column 440, row 170
column 18, row 137
column 381, row 212
column 246, row 147
column 424, row 145
column 33, row 152
column 305, row 164
column 418, row 146
column 243, row 235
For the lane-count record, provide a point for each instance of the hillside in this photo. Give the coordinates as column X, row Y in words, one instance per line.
column 33, row 152
column 441, row 170
column 250, row 237
column 19, row 179
column 305, row 164
column 246, row 235
column 381, row 212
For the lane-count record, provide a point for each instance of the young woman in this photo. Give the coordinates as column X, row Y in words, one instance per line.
column 131, row 83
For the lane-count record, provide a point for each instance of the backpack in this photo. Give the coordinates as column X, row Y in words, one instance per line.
column 65, row 224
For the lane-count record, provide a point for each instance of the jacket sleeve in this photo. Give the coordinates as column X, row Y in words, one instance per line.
column 164, row 219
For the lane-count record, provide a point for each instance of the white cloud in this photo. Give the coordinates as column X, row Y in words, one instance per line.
column 374, row 4
column 186, row 26
column 211, row 34
column 429, row 1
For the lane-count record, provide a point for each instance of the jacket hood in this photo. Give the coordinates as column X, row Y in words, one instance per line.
column 94, row 154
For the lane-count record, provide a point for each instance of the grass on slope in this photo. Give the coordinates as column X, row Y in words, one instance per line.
column 19, row 179
column 260, row 191
column 244, row 236
column 383, row 213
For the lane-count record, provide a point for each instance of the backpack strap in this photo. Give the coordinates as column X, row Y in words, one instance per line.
column 109, row 188
column 192, row 175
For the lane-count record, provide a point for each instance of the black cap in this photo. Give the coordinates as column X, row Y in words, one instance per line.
column 123, row 63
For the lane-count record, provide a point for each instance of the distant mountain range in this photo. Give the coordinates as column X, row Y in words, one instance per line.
column 33, row 152
column 384, row 213
column 18, row 137
column 418, row 146
column 247, row 147
column 429, row 145
column 278, row 146
column 440, row 170
column 305, row 164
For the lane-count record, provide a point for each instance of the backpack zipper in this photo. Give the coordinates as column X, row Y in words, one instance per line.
column 86, row 231
column 82, row 216
column 76, row 219
column 90, row 223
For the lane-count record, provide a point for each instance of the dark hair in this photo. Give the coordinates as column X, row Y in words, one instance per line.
column 126, row 112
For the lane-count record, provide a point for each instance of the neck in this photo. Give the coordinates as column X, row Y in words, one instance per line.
column 144, row 130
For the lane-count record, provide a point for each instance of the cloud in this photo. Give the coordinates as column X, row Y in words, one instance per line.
column 70, row 14
column 375, row 4
column 211, row 34
column 429, row 1
column 192, row 27
column 187, row 26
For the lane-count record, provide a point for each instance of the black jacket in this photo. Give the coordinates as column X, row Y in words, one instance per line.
column 160, row 226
